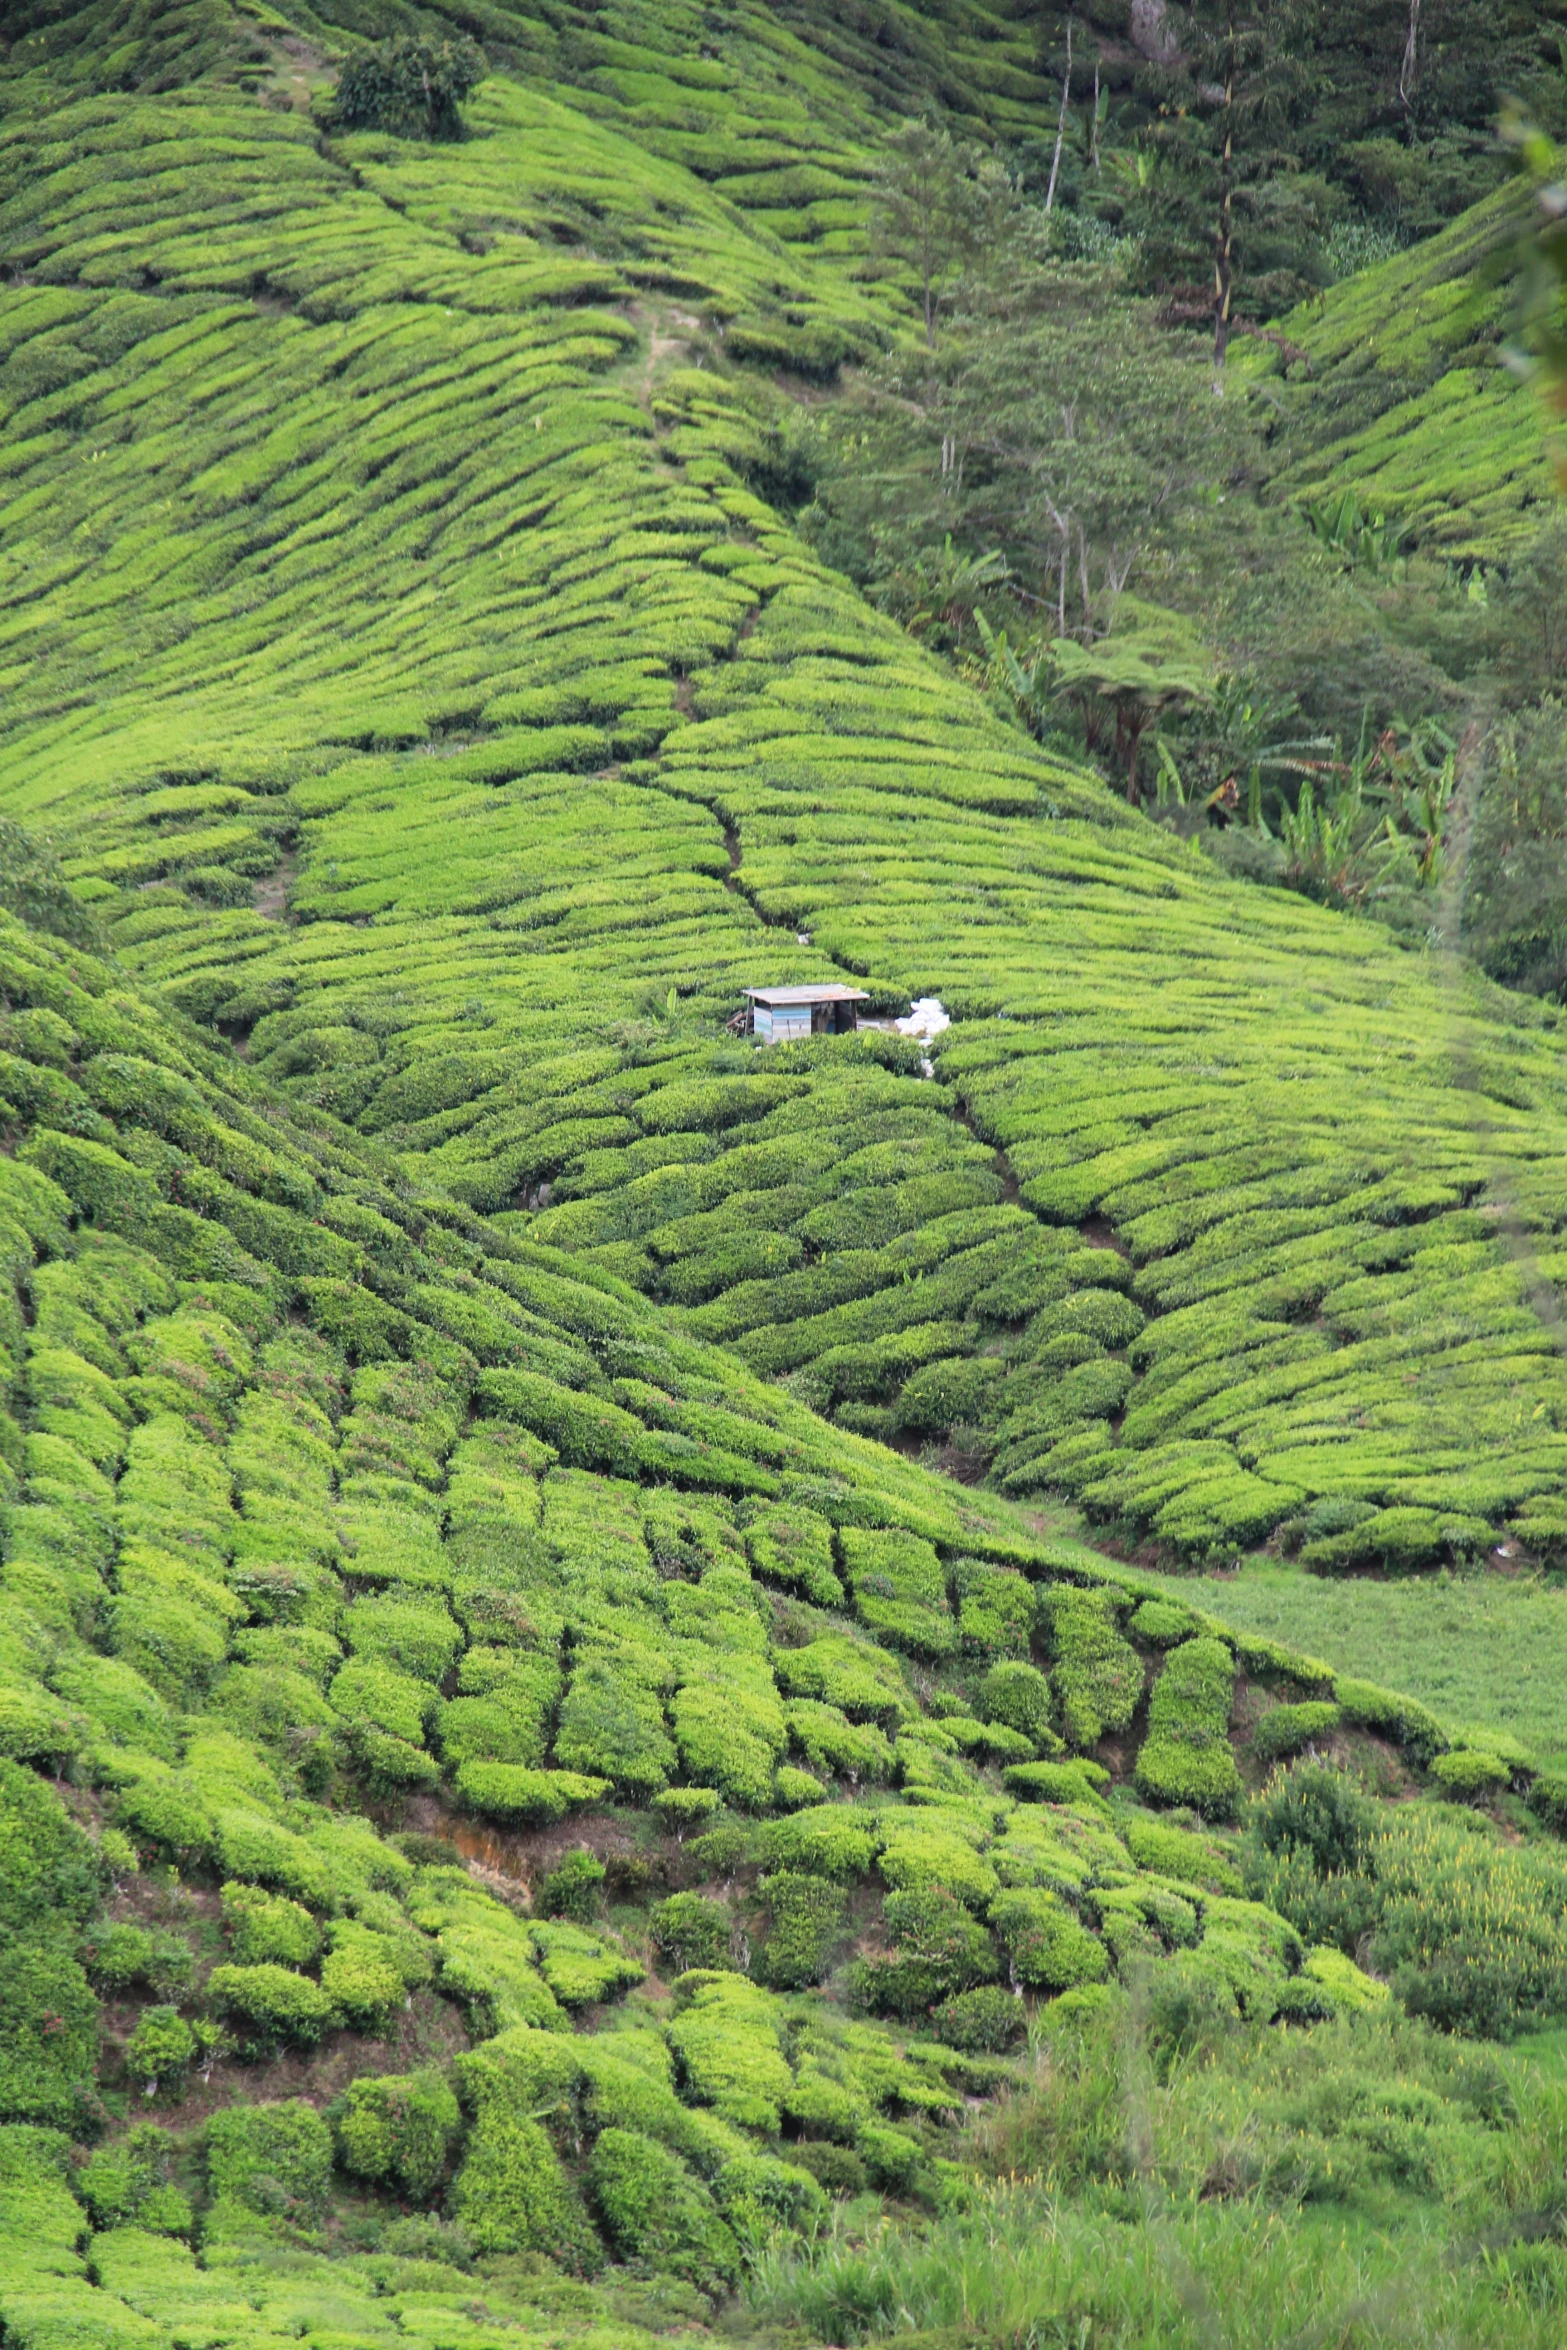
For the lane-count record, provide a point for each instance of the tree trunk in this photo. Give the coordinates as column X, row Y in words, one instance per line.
column 1066, row 100
column 1223, row 250
column 1406, row 71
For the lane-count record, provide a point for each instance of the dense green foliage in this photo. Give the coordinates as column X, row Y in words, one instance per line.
column 529, row 1804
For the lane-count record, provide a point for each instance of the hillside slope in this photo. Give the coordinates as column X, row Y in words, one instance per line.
column 410, row 673
column 1404, row 399
column 389, row 1596
column 531, row 1813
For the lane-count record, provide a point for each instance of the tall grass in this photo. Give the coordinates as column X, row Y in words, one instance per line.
column 1364, row 2186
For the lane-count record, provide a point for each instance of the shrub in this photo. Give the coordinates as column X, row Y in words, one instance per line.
column 400, row 2127
column 1287, row 1728
column 1162, row 1623
column 1098, row 1674
column 829, row 1840
column 160, row 2047
column 1351, row 1991
column 268, row 2005
column 692, row 1931
column 1174, row 1852
column 1547, row 1799
column 937, row 1949
column 268, row 1929
column 409, row 87
column 1467, row 1776
column 1402, row 1719
column 505, row 1791
column 793, row 1790
column 1052, row 1782
column 656, row 2214
column 122, row 1954
column 805, row 1914
column 793, row 1547
column 1019, row 1695
column 986, row 2019
column 512, row 2195
column 900, row 1590
column 730, row 1732
column 48, row 1869
column 572, row 1888
column 892, row 2157
column 1046, row 1946
column 1468, row 1931
column 758, row 2195
column 1186, row 1756
column 837, row 2168
column 728, row 2039
column 831, row 1742
column 1322, row 1813
column 612, row 1725
column 996, row 1611
column 360, row 1977
column 128, row 2181
column 263, row 2155
column 682, row 1808
column 48, row 2030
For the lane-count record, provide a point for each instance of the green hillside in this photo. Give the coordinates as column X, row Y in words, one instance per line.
column 1404, row 401
column 607, row 1725
column 333, row 603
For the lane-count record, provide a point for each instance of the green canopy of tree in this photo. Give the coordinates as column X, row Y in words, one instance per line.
column 410, row 87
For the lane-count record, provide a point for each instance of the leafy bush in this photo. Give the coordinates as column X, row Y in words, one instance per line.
column 160, row 2047
column 1466, row 1775
column 1019, row 1695
column 805, row 1915
column 1468, row 1931
column 409, row 87
column 506, row 1791
column 121, row 1954
column 837, row 2168
column 682, row 1808
column 656, row 2214
column 1098, row 1674
column 48, row 2018
column 128, row 2182
column 938, row 1948
column 692, row 1931
column 1186, row 1757
column 571, row 1889
column 986, row 2019
column 1175, row 1852
column 829, row 1840
column 269, row 2004
column 1047, row 1948
column 399, row 2127
column 267, row 2157
column 1287, row 1728
column 900, row 1590
column 360, row 1977
column 48, row 1869
column 1079, row 1781
column 1401, row 1719
column 794, row 1547
column 266, row 1928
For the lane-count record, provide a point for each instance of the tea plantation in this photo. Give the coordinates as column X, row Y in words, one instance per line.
column 557, row 1782
column 417, row 689
column 333, row 1506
